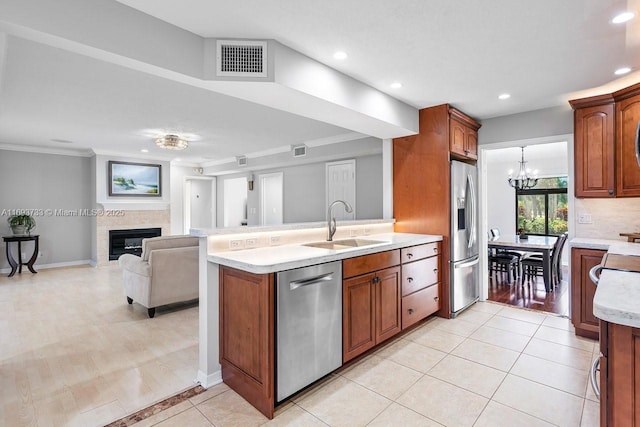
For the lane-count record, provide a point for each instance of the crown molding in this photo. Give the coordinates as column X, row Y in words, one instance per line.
column 47, row 150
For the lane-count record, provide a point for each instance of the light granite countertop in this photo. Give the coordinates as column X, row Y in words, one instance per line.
column 617, row 297
column 287, row 257
column 587, row 243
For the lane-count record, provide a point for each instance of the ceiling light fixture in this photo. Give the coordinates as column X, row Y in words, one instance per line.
column 172, row 142
column 340, row 55
column 523, row 180
column 396, row 85
column 504, row 96
column 144, row 150
column 621, row 71
column 623, row 17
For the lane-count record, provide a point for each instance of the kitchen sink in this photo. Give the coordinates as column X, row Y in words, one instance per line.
column 338, row 245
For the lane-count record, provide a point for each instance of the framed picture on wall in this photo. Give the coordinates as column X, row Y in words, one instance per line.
column 134, row 179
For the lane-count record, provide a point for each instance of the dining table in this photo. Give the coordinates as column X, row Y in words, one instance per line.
column 533, row 243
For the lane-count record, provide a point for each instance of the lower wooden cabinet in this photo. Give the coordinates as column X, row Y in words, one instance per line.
column 419, row 305
column 619, row 375
column 370, row 311
column 247, row 336
column 583, row 290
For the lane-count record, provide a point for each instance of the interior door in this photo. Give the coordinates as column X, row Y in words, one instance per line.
column 341, row 185
column 271, row 199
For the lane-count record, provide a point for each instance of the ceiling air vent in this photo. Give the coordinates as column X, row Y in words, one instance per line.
column 241, row 58
column 299, row 150
column 242, row 160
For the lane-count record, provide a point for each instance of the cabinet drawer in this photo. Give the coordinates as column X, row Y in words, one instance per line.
column 367, row 263
column 419, row 305
column 415, row 253
column 420, row 274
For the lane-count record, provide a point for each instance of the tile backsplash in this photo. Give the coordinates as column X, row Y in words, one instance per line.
column 609, row 217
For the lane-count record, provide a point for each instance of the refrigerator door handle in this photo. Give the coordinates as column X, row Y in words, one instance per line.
column 472, row 198
column 470, row 263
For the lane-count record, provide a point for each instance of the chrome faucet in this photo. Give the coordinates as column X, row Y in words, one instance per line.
column 331, row 221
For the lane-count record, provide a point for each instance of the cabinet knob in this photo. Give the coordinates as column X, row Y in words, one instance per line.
column 611, row 192
column 409, row 255
column 410, row 311
column 436, row 298
column 409, row 279
column 376, row 279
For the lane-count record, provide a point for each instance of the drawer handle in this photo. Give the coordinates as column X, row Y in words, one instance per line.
column 436, row 298
column 435, row 249
column 409, row 255
column 410, row 311
column 435, row 270
column 409, row 279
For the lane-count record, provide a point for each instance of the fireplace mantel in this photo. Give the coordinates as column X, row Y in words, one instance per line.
column 134, row 205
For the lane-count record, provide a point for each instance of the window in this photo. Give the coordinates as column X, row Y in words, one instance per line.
column 543, row 209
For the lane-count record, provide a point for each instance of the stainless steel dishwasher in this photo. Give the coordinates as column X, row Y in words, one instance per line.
column 308, row 326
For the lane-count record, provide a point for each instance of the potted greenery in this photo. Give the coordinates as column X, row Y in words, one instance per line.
column 21, row 224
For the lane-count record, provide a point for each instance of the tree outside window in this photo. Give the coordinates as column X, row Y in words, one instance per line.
column 543, row 209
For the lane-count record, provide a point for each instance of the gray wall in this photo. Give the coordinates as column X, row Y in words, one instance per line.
column 531, row 124
column 48, row 181
column 304, row 191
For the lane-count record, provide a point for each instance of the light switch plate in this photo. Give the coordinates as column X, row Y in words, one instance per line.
column 584, row 218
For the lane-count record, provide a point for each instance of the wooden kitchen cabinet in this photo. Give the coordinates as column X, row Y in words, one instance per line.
column 420, row 282
column 604, row 146
column 619, row 375
column 463, row 135
column 370, row 310
column 583, row 290
column 247, row 336
column 627, row 119
column 594, row 150
column 422, row 180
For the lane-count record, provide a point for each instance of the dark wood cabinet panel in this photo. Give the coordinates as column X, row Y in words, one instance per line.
column 247, row 336
column 472, row 144
column 628, row 171
column 594, row 151
column 419, row 305
column 463, row 135
column 583, row 290
column 620, row 376
column 358, row 316
column 387, row 303
column 420, row 274
column 457, row 143
column 367, row 263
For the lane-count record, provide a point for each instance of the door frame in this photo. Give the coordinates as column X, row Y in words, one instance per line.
column 186, row 201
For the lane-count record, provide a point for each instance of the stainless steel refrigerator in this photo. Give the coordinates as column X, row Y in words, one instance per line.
column 464, row 274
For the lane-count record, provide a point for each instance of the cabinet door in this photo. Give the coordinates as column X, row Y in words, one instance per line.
column 457, row 137
column 594, row 151
column 358, row 316
column 387, row 288
column 583, row 290
column 471, row 147
column 247, row 336
column 628, row 171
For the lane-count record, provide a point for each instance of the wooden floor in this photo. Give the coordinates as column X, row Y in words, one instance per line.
column 530, row 294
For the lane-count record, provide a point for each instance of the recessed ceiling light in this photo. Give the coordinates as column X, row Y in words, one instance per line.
column 62, row 141
column 396, row 85
column 623, row 17
column 144, row 150
column 504, row 96
column 177, row 159
column 340, row 55
column 621, row 71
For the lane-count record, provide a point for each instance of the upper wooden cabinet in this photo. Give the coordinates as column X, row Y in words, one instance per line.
column 604, row 130
column 463, row 135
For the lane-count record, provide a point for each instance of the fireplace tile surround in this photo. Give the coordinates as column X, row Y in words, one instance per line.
column 130, row 219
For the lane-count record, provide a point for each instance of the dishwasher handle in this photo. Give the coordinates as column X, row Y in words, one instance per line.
column 592, row 274
column 295, row 284
column 592, row 377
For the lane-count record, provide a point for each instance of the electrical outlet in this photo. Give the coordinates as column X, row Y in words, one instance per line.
column 584, row 218
column 40, row 254
column 353, row 232
column 236, row 244
column 274, row 240
column 251, row 243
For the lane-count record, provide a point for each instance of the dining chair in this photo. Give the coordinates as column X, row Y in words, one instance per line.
column 532, row 264
column 495, row 233
column 499, row 262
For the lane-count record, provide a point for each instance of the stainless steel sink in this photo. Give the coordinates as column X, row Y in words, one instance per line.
column 338, row 245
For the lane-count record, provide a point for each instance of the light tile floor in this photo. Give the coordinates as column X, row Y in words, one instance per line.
column 74, row 353
column 493, row 366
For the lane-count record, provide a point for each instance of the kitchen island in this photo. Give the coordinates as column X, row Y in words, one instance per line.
column 238, row 291
column 617, row 304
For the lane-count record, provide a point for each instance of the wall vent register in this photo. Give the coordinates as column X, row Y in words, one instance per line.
column 241, row 58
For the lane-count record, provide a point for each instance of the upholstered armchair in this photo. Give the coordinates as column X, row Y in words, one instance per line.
column 165, row 273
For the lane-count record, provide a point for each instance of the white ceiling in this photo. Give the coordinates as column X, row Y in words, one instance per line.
column 463, row 52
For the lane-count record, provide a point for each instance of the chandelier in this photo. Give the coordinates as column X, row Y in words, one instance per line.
column 172, row 142
column 523, row 180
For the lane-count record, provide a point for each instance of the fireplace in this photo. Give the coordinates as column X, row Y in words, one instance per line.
column 129, row 241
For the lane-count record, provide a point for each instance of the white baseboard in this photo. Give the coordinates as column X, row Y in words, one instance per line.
column 208, row 381
column 53, row 265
